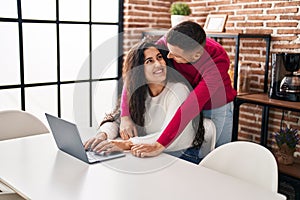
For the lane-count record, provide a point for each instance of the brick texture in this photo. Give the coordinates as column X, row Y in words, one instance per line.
column 281, row 19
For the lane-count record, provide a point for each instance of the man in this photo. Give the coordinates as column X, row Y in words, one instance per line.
column 204, row 63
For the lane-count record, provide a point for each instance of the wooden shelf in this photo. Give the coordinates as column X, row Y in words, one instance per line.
column 290, row 175
column 235, row 35
column 291, row 170
column 263, row 99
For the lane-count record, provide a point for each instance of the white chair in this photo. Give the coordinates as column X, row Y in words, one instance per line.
column 17, row 123
column 209, row 137
column 7, row 193
column 245, row 160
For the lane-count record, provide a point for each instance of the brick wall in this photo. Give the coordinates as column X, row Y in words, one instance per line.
column 281, row 19
column 141, row 15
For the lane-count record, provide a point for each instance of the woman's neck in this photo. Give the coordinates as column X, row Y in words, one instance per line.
column 156, row 88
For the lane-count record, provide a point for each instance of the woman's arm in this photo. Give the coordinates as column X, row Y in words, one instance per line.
column 108, row 130
column 91, row 143
column 113, row 145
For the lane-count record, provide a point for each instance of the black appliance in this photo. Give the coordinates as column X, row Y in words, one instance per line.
column 285, row 78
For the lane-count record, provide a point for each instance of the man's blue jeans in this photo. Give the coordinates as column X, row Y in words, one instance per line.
column 191, row 154
column 223, row 120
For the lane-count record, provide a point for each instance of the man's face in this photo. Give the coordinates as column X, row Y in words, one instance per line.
column 181, row 56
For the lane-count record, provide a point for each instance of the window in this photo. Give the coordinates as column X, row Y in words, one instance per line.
column 61, row 56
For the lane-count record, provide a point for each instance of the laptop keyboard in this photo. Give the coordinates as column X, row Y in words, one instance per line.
column 92, row 156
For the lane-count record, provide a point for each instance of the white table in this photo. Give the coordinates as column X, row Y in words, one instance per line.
column 38, row 170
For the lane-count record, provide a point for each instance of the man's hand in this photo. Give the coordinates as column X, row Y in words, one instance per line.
column 127, row 128
column 147, row 150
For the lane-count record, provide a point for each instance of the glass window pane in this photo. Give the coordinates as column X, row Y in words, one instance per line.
column 74, row 52
column 41, row 100
column 110, row 71
column 40, row 58
column 105, row 51
column 74, row 10
column 8, row 9
column 105, row 11
column 37, row 9
column 75, row 103
column 10, row 99
column 104, row 99
column 9, row 64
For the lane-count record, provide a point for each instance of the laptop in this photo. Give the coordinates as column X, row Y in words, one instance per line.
column 68, row 140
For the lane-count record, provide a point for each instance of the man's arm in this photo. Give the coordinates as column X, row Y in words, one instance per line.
column 124, row 103
column 127, row 126
column 190, row 108
column 211, row 85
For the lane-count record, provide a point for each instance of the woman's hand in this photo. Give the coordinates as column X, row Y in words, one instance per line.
column 113, row 145
column 147, row 150
column 94, row 141
column 127, row 128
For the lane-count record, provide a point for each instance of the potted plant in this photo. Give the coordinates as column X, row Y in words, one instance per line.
column 286, row 139
column 179, row 12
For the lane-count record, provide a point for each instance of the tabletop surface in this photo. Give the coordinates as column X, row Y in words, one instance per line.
column 38, row 170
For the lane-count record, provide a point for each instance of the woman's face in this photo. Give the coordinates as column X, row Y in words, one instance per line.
column 154, row 66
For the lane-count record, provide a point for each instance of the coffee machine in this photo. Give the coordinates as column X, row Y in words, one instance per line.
column 285, row 78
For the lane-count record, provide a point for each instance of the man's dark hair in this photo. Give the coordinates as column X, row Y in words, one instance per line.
column 187, row 35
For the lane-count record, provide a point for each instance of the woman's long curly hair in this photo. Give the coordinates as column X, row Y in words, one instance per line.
column 137, row 87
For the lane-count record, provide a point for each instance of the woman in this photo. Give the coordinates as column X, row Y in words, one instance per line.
column 154, row 94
